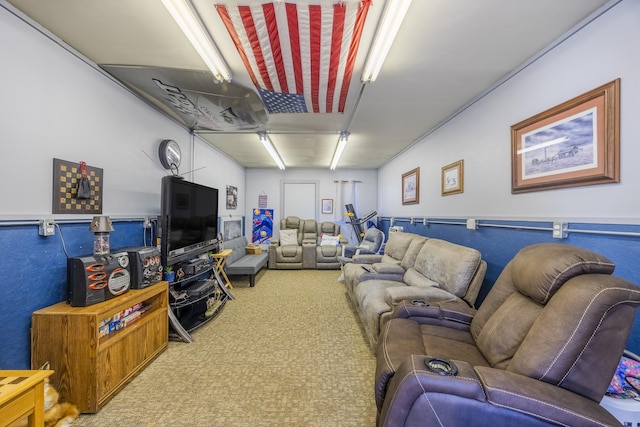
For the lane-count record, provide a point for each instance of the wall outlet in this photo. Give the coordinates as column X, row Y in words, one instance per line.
column 396, row 228
column 472, row 224
column 147, row 222
column 47, row 227
column 559, row 230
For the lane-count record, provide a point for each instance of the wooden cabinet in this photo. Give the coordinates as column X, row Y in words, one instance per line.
column 91, row 368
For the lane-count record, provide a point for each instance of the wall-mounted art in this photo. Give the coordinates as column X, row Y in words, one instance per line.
column 327, row 206
column 232, row 197
column 411, row 187
column 68, row 179
column 575, row 143
column 453, row 178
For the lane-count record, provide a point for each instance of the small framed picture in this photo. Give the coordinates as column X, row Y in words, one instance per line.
column 411, row 187
column 453, row 178
column 327, row 206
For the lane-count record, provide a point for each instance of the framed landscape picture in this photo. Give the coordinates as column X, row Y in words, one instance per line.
column 453, row 178
column 575, row 143
column 411, row 187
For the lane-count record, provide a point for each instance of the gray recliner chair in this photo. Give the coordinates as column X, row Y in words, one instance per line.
column 327, row 255
column 541, row 349
column 371, row 244
column 287, row 256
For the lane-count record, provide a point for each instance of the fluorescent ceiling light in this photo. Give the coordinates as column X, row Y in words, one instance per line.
column 264, row 138
column 342, row 143
column 181, row 11
column 392, row 16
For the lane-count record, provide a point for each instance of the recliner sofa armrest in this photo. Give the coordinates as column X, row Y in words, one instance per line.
column 366, row 258
column 509, row 398
column 384, row 268
column 451, row 313
column 546, row 401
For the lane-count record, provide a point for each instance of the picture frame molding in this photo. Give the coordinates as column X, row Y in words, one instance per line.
column 605, row 101
column 458, row 187
column 411, row 187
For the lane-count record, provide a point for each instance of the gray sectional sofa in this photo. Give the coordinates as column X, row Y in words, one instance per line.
column 416, row 268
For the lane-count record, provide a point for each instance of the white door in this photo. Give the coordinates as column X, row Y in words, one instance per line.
column 299, row 199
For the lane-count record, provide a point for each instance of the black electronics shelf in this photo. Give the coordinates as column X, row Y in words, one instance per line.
column 194, row 301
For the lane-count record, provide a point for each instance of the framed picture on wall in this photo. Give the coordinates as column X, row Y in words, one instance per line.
column 411, row 187
column 453, row 178
column 327, row 206
column 575, row 143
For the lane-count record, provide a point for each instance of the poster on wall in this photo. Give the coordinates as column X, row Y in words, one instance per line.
column 262, row 229
column 232, row 197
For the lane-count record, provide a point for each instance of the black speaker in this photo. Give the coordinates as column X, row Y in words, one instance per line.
column 145, row 266
column 92, row 279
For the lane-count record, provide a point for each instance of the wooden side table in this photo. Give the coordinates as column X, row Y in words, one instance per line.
column 22, row 395
column 220, row 260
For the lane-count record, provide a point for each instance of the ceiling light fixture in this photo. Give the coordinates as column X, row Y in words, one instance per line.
column 182, row 12
column 392, row 16
column 342, row 143
column 268, row 145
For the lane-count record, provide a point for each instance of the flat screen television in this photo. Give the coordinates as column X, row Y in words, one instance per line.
column 189, row 219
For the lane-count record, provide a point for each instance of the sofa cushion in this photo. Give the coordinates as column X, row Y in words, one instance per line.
column 449, row 265
column 539, row 270
column 412, row 252
column 397, row 246
column 288, row 237
column 504, row 332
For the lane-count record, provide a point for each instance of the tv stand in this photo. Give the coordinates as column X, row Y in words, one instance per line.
column 196, row 300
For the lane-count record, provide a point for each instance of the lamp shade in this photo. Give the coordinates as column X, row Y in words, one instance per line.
column 101, row 224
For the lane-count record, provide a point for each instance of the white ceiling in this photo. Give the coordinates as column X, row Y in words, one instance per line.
column 447, row 53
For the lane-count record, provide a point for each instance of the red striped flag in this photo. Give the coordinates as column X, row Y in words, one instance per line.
column 299, row 56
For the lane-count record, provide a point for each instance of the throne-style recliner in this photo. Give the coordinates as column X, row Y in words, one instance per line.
column 541, row 349
column 326, row 255
column 285, row 252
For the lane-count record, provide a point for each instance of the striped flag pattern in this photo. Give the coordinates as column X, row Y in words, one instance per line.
column 300, row 56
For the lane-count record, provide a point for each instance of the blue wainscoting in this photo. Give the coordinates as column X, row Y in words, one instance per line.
column 33, row 275
column 499, row 245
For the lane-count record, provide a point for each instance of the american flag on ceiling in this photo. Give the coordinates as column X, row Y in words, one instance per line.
column 300, row 56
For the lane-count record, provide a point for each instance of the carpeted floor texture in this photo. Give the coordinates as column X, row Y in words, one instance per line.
column 288, row 352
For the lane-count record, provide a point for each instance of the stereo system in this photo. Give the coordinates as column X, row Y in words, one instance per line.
column 195, row 266
column 92, row 279
column 145, row 266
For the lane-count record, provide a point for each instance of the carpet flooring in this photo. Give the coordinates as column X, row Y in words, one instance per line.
column 288, row 352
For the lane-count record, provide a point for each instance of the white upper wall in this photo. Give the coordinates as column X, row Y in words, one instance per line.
column 53, row 105
column 268, row 181
column 603, row 51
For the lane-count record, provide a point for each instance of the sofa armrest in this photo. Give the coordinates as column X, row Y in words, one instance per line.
column 274, row 242
column 384, row 268
column 547, row 401
column 452, row 312
column 428, row 295
column 366, row 259
column 509, row 399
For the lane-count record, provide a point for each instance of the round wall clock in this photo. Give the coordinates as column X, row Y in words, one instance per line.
column 169, row 153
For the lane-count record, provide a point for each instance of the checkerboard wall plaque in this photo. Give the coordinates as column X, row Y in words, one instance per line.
column 66, row 176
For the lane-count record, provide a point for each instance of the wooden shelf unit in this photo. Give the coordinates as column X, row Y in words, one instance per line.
column 90, row 369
